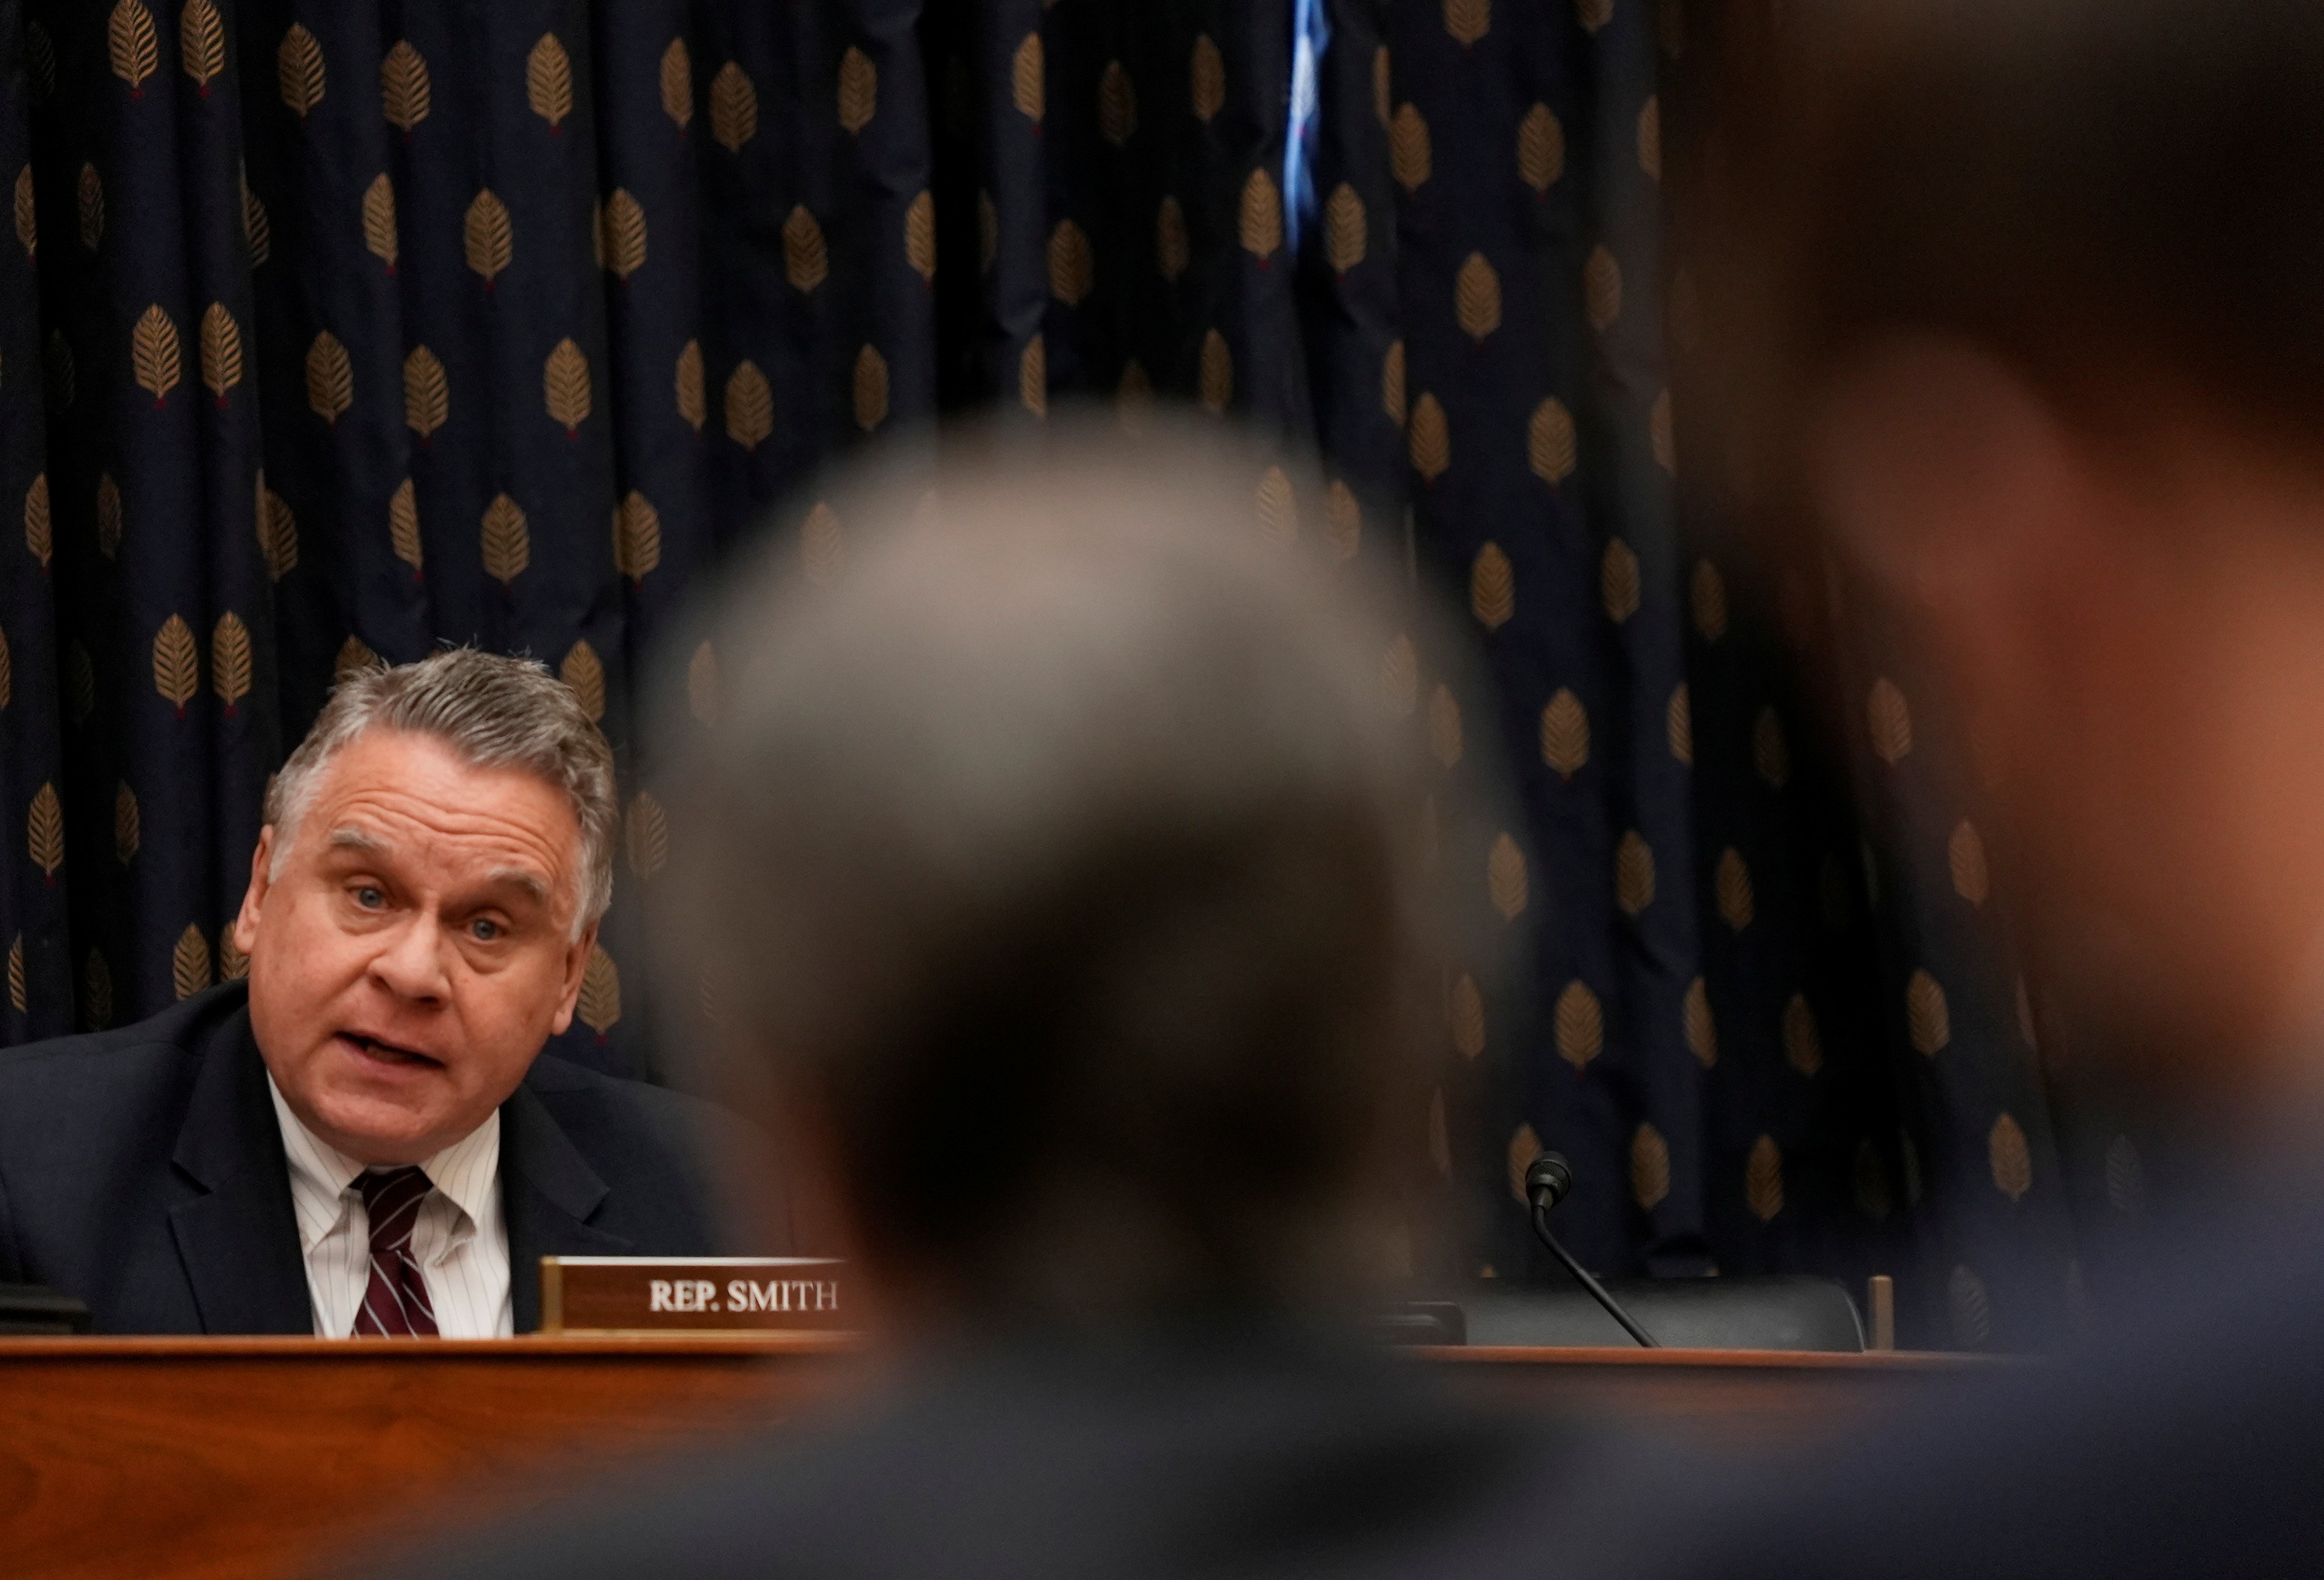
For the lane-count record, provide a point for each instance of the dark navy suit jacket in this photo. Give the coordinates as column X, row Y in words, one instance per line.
column 142, row 1170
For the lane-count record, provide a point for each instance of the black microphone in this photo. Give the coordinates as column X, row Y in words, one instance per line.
column 1547, row 1180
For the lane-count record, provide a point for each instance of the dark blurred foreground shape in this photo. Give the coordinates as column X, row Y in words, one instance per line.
column 1063, row 888
column 2020, row 315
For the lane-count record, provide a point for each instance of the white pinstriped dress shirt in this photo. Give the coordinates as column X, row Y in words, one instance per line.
column 460, row 1240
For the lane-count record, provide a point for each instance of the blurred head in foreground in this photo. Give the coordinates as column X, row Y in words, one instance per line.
column 1055, row 869
column 2022, row 308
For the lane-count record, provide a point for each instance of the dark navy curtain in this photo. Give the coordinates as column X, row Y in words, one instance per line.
column 339, row 330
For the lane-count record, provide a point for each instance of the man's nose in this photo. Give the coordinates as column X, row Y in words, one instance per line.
column 412, row 965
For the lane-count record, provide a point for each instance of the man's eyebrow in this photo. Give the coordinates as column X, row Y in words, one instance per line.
column 348, row 838
column 531, row 883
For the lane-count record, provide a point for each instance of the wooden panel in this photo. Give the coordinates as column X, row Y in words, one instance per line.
column 255, row 1457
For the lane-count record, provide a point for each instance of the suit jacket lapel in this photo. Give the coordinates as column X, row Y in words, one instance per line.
column 549, row 1194
column 238, row 1239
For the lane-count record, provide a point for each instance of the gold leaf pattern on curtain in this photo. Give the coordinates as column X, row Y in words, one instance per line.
column 1033, row 377
column 40, row 539
column 1928, row 1021
column 1170, row 238
column 1707, row 595
column 1650, row 1168
column 1117, row 105
column 584, row 675
column 1619, row 580
column 44, row 832
column 153, row 353
column 1466, row 1012
column 1552, row 448
column 702, row 685
column 1206, row 80
column 1492, row 586
column 2012, row 1161
column 507, row 541
column 426, row 392
column 548, row 81
column 1277, row 508
column 600, row 1003
column 805, row 262
column 1505, row 876
column 1261, row 223
column 17, row 985
column 750, row 405
column 91, row 196
column 1070, row 265
column 1803, row 1040
column 1343, row 521
column 1343, row 229
column 1762, row 1180
column 1602, row 289
column 403, row 526
column 565, row 392
column 330, row 376
column 177, row 663
column 1678, row 724
column 1580, row 1024
column 201, row 44
column 1965, row 853
column 1429, row 439
column 1409, row 157
column 988, row 233
column 1541, row 149
column 1215, row 375
column 1392, row 383
column 278, row 532
column 1399, row 679
column 485, row 235
column 255, row 233
column 1468, row 20
column 1700, row 1026
column 403, row 87
column 354, row 657
column 1732, row 888
column 687, row 385
column 1650, row 137
column 1565, row 734
column 1477, row 297
column 7, row 673
column 871, row 388
column 1634, row 873
column 637, row 537
column 677, row 84
column 1027, row 87
column 1661, row 436
column 1381, row 100
column 1891, row 721
column 128, row 827
column 734, row 107
column 1525, row 1146
column 299, row 71
column 920, row 236
column 823, row 547
column 221, row 348
column 379, row 221
column 189, row 962
column 230, row 661
column 646, row 832
column 28, row 224
column 859, row 90
column 130, row 41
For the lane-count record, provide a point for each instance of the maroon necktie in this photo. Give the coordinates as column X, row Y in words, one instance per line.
column 395, row 1303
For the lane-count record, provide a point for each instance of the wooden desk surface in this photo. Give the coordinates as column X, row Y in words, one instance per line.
column 257, row 1457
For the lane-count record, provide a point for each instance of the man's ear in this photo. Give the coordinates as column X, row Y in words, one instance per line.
column 576, row 967
column 245, row 921
column 1938, row 471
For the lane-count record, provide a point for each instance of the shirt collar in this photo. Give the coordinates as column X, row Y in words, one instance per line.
column 464, row 1173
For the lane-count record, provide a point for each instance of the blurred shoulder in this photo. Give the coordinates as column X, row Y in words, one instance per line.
column 577, row 1094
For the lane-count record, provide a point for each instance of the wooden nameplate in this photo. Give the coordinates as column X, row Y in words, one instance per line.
column 696, row 1294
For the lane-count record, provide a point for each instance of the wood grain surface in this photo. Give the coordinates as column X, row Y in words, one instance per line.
column 265, row 1457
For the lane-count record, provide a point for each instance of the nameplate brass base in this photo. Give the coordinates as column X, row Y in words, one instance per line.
column 696, row 1294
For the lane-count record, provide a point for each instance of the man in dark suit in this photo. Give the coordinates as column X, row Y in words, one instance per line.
column 1063, row 883
column 363, row 1138
column 2027, row 301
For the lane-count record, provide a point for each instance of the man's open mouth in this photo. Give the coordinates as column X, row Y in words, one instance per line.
column 372, row 1047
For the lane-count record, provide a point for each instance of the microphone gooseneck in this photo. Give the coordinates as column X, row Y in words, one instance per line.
column 1547, row 1180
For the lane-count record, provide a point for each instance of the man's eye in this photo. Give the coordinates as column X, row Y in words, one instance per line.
column 483, row 931
column 369, row 898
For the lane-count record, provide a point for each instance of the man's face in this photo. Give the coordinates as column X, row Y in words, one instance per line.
column 415, row 949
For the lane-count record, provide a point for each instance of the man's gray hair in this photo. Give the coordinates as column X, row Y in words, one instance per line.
column 493, row 711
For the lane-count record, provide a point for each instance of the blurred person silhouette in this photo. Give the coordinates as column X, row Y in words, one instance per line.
column 1059, row 876
column 2020, row 310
